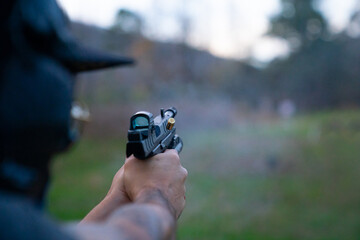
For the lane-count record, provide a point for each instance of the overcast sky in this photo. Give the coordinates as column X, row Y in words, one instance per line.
column 227, row 28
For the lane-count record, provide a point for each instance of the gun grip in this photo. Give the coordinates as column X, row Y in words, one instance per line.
column 176, row 143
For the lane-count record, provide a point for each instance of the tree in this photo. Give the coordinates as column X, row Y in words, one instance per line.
column 320, row 73
column 299, row 23
column 128, row 22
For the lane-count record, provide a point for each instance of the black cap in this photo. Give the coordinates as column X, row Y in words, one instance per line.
column 37, row 57
column 41, row 27
column 78, row 58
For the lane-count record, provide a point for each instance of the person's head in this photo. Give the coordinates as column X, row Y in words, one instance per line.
column 39, row 60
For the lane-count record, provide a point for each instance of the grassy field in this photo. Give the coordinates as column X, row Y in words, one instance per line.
column 266, row 179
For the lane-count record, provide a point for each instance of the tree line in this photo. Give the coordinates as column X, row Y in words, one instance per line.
column 321, row 71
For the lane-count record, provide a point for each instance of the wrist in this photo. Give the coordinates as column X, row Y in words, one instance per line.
column 155, row 196
column 117, row 198
column 106, row 207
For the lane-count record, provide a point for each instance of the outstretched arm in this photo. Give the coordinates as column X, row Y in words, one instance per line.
column 155, row 197
column 150, row 217
column 115, row 198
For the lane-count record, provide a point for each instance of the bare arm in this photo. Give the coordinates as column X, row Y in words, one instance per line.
column 150, row 217
column 115, row 198
column 155, row 198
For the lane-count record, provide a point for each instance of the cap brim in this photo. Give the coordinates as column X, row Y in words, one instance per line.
column 79, row 59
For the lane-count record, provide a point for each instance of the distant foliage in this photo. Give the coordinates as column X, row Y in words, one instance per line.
column 321, row 72
column 299, row 23
column 128, row 21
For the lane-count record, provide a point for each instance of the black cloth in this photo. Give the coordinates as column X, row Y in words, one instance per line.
column 20, row 219
column 38, row 61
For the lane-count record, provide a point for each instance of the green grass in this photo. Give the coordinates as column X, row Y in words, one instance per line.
column 83, row 176
column 296, row 179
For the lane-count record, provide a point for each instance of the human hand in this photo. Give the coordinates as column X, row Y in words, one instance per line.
column 162, row 173
column 117, row 190
column 115, row 198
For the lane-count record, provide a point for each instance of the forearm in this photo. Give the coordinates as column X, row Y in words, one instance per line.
column 149, row 217
column 105, row 208
column 155, row 193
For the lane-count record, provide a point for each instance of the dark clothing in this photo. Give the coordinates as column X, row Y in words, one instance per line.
column 20, row 219
column 38, row 61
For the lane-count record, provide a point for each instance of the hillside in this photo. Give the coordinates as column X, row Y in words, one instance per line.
column 166, row 74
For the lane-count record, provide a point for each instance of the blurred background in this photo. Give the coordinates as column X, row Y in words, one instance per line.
column 268, row 95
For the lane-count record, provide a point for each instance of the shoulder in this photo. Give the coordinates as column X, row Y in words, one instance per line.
column 19, row 219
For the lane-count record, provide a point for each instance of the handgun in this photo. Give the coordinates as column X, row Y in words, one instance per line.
column 148, row 136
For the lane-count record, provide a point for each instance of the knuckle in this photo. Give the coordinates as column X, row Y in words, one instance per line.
column 185, row 172
column 130, row 159
column 174, row 155
column 130, row 162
